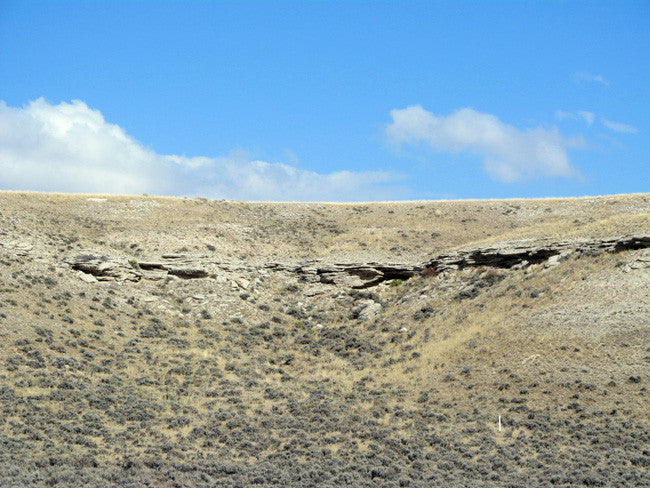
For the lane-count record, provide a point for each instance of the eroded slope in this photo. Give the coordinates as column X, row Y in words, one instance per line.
column 256, row 375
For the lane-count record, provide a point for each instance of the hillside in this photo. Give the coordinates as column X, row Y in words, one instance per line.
column 185, row 342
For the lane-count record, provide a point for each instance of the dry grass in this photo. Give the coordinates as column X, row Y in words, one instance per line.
column 207, row 384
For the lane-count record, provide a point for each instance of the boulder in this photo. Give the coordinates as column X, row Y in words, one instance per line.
column 242, row 283
column 367, row 309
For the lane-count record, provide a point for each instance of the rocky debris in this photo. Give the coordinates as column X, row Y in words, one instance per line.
column 512, row 253
column 313, row 290
column 640, row 261
column 18, row 248
column 88, row 278
column 557, row 258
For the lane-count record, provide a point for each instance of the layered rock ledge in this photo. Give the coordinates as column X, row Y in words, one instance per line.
column 532, row 251
column 506, row 254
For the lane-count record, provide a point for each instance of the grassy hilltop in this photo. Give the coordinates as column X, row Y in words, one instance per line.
column 184, row 342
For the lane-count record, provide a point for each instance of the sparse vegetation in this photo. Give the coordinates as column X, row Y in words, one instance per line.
column 180, row 381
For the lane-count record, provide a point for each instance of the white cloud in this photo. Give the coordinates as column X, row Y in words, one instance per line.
column 587, row 117
column 71, row 148
column 510, row 154
column 240, row 178
column 618, row 127
column 585, row 76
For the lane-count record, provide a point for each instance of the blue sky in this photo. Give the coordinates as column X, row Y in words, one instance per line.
column 311, row 100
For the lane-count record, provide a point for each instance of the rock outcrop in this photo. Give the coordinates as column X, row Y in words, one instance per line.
column 103, row 268
column 351, row 275
column 531, row 251
column 176, row 265
column 507, row 254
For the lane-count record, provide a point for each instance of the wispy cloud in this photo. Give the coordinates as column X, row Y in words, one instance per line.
column 591, row 78
column 587, row 117
column 69, row 147
column 590, row 117
column 509, row 154
column 618, row 127
column 562, row 115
